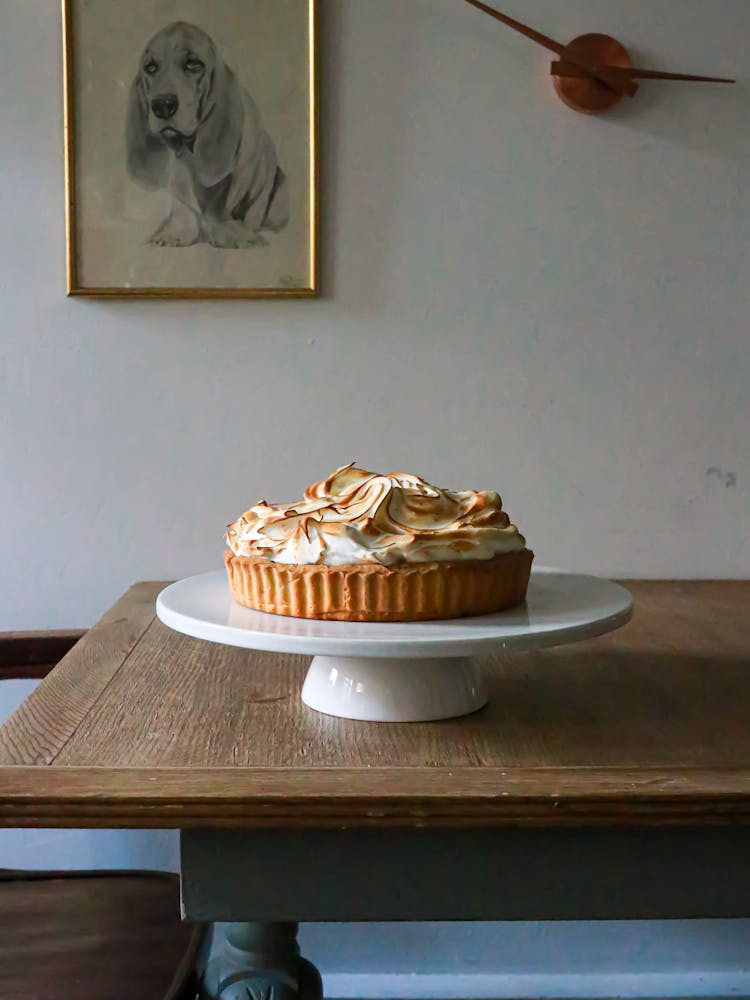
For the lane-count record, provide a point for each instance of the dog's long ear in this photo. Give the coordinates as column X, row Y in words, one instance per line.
column 220, row 130
column 148, row 157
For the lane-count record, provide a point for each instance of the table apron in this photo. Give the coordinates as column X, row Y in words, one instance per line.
column 511, row 874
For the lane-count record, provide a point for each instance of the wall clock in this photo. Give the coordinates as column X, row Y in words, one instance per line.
column 593, row 72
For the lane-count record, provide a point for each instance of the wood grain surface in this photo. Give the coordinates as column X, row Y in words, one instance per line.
column 41, row 726
column 145, row 727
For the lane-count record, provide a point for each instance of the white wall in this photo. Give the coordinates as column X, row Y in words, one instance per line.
column 514, row 297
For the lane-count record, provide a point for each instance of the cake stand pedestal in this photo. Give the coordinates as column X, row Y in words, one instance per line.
column 400, row 671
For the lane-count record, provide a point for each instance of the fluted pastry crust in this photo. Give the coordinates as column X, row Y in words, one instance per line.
column 376, row 593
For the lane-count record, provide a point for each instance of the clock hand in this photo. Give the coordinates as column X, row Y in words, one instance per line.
column 602, row 73
column 561, row 69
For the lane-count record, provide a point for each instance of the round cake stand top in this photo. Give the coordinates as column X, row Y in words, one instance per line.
column 560, row 608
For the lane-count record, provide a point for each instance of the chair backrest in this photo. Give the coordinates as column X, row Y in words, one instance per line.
column 31, row 655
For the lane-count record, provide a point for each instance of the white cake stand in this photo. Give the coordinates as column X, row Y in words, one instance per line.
column 400, row 672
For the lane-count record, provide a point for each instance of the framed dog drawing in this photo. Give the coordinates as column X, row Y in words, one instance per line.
column 191, row 148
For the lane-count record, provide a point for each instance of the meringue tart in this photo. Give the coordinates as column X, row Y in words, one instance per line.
column 360, row 546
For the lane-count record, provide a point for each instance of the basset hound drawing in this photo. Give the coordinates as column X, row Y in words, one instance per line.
column 194, row 130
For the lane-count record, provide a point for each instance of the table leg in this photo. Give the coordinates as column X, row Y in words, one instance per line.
column 261, row 961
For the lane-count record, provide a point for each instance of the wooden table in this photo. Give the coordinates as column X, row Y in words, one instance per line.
column 610, row 779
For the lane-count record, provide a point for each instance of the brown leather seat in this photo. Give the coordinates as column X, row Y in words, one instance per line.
column 95, row 936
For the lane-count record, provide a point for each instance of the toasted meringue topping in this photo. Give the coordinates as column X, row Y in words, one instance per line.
column 355, row 516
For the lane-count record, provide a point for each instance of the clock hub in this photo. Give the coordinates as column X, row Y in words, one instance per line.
column 582, row 92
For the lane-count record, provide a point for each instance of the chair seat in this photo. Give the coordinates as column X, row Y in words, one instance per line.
column 95, row 936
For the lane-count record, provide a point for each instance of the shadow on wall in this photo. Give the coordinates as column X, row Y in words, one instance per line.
column 373, row 149
column 691, row 116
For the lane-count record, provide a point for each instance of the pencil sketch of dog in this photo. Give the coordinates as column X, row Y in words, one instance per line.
column 194, row 130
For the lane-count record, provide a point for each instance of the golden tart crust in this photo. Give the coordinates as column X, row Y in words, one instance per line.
column 371, row 592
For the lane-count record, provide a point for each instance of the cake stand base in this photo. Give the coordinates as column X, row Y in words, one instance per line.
column 402, row 689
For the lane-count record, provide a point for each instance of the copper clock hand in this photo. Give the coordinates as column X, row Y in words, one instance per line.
column 621, row 85
column 563, row 68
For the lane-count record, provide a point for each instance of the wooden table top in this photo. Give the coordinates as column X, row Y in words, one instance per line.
column 139, row 726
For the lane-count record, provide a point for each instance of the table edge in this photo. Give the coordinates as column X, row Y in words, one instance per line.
column 369, row 797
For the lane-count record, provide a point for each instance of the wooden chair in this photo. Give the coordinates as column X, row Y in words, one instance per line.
column 88, row 935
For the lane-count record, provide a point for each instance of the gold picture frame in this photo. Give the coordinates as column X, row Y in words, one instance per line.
column 296, row 241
